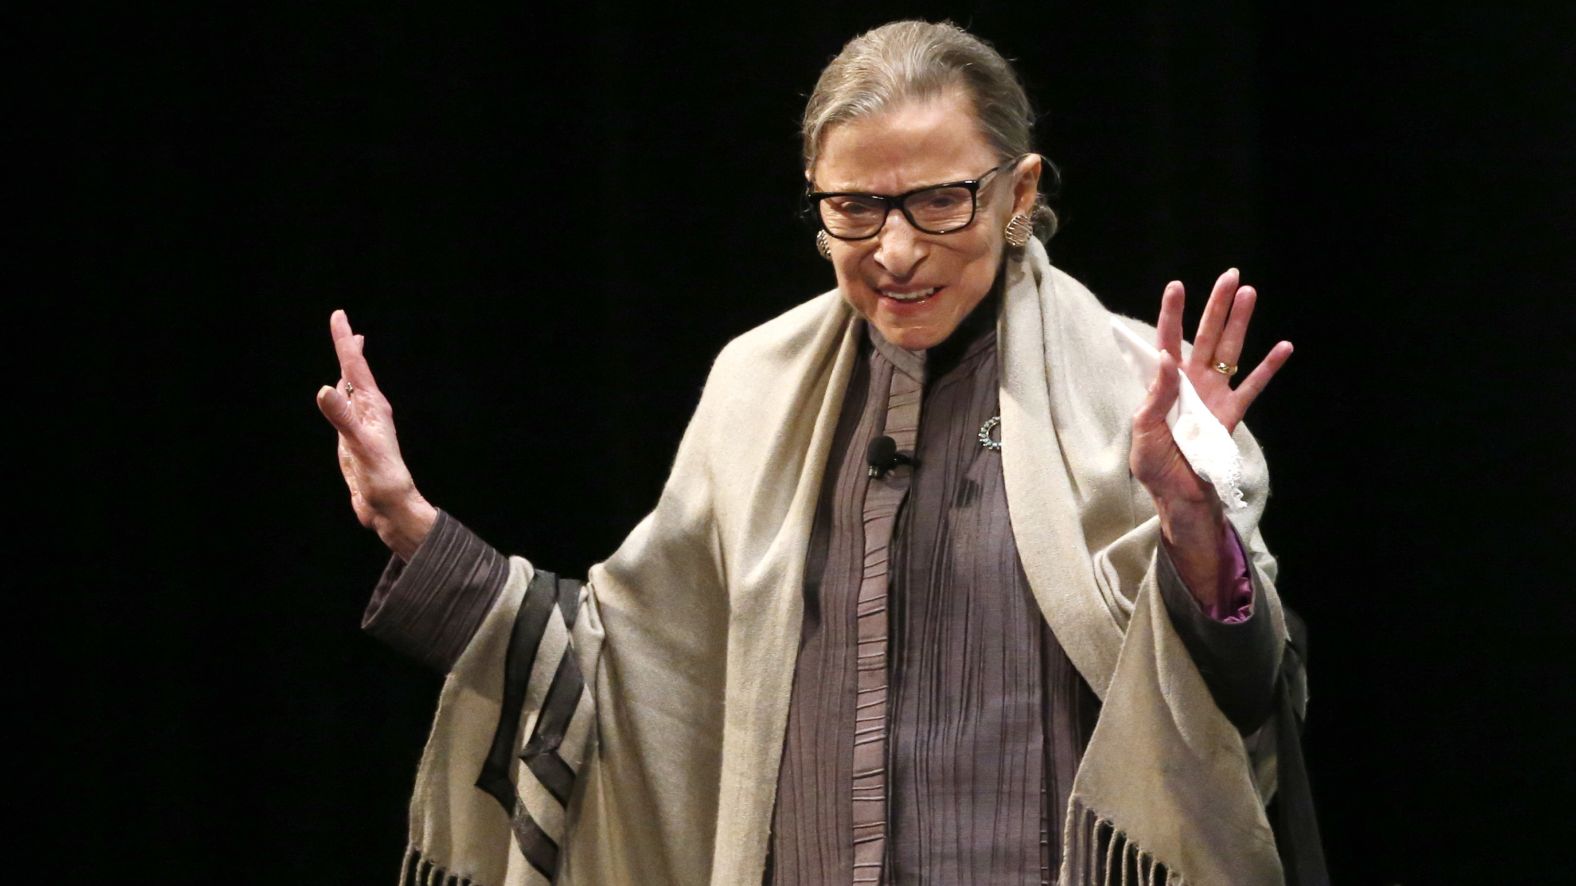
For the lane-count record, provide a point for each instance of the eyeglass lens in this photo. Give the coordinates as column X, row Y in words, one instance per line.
column 934, row 211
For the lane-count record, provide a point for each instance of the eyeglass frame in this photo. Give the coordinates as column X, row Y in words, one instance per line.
column 898, row 201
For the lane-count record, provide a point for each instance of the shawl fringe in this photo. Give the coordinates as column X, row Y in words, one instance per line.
column 1095, row 852
column 417, row 870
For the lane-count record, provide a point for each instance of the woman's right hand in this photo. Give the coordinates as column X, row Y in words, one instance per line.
column 382, row 492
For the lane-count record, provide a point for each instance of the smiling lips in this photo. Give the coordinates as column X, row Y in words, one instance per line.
column 915, row 295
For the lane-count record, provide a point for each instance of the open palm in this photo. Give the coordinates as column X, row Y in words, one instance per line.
column 1155, row 459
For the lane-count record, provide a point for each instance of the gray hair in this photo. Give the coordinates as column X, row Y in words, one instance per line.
column 914, row 60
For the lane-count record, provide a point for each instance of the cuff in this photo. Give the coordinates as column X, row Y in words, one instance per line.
column 430, row 607
column 1235, row 654
column 1237, row 595
column 1237, row 592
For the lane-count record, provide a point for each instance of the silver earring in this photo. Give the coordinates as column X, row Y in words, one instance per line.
column 1018, row 230
column 823, row 245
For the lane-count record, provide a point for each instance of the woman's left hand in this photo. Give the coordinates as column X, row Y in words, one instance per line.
column 1155, row 459
column 1191, row 523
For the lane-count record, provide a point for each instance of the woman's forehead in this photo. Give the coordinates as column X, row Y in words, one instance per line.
column 909, row 146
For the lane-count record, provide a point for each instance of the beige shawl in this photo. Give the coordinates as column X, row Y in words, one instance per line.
column 687, row 634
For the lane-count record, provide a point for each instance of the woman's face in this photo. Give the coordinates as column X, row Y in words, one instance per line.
column 913, row 286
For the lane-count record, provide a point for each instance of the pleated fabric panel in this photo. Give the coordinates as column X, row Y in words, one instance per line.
column 935, row 723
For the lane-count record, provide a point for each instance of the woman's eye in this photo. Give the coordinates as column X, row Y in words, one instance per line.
column 855, row 207
column 941, row 201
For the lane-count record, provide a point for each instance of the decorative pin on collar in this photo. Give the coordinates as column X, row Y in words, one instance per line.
column 985, row 438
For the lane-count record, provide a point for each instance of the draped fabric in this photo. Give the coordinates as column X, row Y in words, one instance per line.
column 687, row 636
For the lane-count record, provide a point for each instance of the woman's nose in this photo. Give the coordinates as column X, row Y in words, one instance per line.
column 899, row 247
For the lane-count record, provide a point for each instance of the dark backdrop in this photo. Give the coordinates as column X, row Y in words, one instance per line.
column 546, row 223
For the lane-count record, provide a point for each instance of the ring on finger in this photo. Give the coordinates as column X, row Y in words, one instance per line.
column 350, row 389
column 1224, row 368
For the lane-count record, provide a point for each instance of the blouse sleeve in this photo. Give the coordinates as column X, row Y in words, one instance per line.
column 431, row 607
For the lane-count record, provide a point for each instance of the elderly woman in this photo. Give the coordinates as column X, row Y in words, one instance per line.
column 957, row 609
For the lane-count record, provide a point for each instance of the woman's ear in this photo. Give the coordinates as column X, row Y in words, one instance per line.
column 1026, row 184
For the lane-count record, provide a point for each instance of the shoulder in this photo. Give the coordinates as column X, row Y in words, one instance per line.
column 775, row 358
column 768, row 387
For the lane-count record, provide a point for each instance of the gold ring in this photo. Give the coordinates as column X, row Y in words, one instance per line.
column 1226, row 369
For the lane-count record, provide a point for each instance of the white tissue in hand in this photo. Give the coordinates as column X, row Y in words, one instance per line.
column 1204, row 441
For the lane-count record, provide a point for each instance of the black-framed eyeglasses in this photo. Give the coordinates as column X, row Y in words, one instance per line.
column 934, row 209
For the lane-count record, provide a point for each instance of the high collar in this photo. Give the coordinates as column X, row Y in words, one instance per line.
column 976, row 333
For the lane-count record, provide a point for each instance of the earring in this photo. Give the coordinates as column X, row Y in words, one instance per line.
column 823, row 245
column 1018, row 230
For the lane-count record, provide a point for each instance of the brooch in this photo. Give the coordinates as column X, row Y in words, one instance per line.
column 985, row 438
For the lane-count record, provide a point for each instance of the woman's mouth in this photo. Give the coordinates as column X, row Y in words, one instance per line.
column 910, row 296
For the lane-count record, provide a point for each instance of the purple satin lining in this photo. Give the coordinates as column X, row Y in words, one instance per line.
column 1236, row 597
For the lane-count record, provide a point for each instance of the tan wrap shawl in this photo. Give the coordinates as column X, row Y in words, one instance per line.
column 688, row 632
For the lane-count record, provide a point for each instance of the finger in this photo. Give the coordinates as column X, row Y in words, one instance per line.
column 1259, row 378
column 339, row 324
column 336, row 408
column 1229, row 348
column 353, row 362
column 1216, row 310
column 350, row 348
column 342, row 335
column 1168, row 329
column 1162, row 393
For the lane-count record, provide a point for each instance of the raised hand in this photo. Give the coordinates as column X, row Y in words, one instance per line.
column 1190, row 516
column 382, row 493
column 1155, row 459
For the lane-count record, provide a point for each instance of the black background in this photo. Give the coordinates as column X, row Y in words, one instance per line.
column 547, row 223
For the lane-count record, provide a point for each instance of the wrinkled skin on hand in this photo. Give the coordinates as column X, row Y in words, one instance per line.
column 382, row 492
column 1190, row 516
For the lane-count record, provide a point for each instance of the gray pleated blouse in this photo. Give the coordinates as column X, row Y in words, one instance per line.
column 935, row 722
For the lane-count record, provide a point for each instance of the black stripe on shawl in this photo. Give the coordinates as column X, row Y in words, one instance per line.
column 569, row 600
column 524, row 642
column 538, row 848
column 554, row 774
column 563, row 697
column 540, row 753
